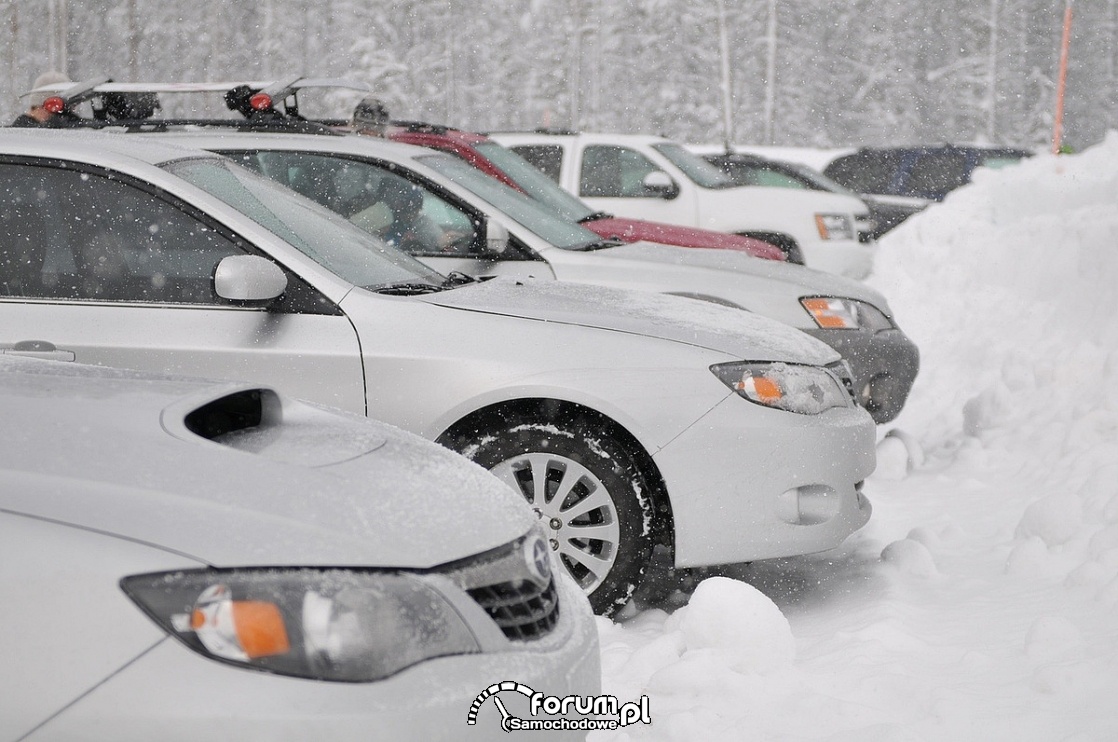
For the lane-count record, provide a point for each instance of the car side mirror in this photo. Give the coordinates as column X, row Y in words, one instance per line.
column 496, row 237
column 660, row 184
column 249, row 280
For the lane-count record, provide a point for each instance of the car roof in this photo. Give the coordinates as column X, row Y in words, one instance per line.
column 91, row 147
column 519, row 137
column 355, row 144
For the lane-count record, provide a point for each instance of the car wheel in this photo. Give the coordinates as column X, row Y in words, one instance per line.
column 589, row 493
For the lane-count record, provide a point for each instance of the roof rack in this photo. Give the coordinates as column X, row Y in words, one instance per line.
column 422, row 127
column 133, row 104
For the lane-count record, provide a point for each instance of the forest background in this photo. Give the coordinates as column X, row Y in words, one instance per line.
column 821, row 73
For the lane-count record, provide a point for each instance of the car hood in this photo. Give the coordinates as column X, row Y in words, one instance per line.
column 113, row 451
column 633, row 230
column 722, row 206
column 766, row 287
column 741, row 335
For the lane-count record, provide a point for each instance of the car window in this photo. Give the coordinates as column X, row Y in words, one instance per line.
column 521, row 208
column 547, row 158
column 85, row 235
column 758, row 175
column 533, row 182
column 937, row 173
column 322, row 235
column 381, row 202
column 999, row 161
column 701, row 172
column 865, row 172
column 609, row 171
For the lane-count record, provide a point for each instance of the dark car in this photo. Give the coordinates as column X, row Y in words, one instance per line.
column 913, row 177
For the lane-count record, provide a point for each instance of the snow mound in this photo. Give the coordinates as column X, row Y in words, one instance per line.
column 746, row 628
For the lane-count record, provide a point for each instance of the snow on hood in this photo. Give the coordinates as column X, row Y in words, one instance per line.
column 750, row 274
column 338, row 490
column 739, row 334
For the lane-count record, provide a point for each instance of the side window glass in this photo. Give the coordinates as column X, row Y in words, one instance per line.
column 374, row 198
column 545, row 157
column 935, row 174
column 615, row 172
column 76, row 235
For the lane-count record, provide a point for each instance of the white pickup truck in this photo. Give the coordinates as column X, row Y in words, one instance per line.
column 650, row 177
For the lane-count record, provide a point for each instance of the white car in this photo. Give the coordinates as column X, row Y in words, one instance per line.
column 351, row 174
column 626, row 419
column 650, row 177
column 194, row 560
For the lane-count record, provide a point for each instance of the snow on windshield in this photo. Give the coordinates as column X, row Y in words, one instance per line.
column 978, row 602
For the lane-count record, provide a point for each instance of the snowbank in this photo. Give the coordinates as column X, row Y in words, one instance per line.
column 978, row 602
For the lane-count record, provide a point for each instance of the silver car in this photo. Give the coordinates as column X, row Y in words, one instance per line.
column 359, row 176
column 627, row 419
column 193, row 560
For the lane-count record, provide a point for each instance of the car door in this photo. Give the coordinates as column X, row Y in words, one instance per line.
column 614, row 179
column 103, row 269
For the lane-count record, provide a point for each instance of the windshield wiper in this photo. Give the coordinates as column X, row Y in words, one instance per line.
column 408, row 288
column 595, row 216
column 596, row 245
column 458, row 278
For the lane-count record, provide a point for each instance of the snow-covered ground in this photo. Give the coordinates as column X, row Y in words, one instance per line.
column 979, row 602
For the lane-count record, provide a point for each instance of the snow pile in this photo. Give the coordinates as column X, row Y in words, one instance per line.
column 977, row 604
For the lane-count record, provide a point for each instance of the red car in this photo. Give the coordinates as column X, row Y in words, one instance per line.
column 513, row 170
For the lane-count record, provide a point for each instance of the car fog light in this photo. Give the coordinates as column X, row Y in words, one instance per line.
column 808, row 505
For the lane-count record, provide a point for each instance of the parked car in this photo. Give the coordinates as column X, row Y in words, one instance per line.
column 160, row 536
column 359, row 177
column 753, row 170
column 845, row 314
column 126, row 251
column 513, row 170
column 908, row 179
column 648, row 177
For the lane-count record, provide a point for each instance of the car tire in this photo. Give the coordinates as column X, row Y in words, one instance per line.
column 603, row 524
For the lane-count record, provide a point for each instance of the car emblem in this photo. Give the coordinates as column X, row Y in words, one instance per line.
column 537, row 559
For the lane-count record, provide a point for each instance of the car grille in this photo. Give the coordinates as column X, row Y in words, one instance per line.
column 522, row 604
column 523, row 609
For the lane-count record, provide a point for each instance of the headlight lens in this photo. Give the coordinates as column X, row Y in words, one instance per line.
column 845, row 314
column 336, row 624
column 834, row 226
column 807, row 390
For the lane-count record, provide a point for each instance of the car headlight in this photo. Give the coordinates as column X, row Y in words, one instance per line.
column 845, row 314
column 329, row 624
column 807, row 390
column 834, row 226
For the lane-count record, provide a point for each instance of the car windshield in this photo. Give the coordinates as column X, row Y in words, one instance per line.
column 705, row 174
column 533, row 182
column 818, row 179
column 524, row 210
column 334, row 243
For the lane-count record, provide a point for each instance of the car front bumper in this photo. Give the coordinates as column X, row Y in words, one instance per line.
column 884, row 365
column 171, row 693
column 748, row 482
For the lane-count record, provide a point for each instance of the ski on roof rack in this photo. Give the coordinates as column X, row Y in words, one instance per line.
column 135, row 103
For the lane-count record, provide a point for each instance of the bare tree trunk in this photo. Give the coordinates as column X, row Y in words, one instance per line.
column 992, row 76
column 770, row 75
column 727, row 96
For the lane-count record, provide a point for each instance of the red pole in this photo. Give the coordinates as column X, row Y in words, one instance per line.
column 1058, row 128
